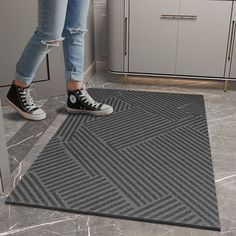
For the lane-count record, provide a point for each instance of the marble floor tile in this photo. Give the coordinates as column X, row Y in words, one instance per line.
column 12, row 122
column 23, row 134
column 221, row 114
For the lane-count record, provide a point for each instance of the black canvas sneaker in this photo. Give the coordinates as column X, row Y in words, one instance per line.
column 79, row 101
column 21, row 100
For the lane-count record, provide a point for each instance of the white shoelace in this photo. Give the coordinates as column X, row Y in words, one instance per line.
column 28, row 99
column 85, row 96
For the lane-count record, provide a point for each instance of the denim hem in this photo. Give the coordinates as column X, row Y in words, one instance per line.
column 26, row 80
column 77, row 76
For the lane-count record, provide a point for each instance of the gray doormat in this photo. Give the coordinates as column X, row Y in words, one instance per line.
column 150, row 160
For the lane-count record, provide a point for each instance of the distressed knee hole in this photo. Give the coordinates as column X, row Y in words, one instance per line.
column 77, row 31
column 55, row 43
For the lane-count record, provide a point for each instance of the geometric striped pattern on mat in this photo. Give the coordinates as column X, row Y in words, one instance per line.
column 149, row 160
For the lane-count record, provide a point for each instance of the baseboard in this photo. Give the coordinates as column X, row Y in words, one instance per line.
column 101, row 65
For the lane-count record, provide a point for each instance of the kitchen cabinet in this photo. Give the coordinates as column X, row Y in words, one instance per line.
column 116, row 29
column 187, row 38
column 202, row 41
column 152, row 40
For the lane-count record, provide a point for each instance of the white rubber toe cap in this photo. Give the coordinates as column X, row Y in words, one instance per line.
column 38, row 112
column 106, row 109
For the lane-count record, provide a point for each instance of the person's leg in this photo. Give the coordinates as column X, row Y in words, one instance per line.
column 48, row 34
column 51, row 19
column 79, row 101
column 73, row 45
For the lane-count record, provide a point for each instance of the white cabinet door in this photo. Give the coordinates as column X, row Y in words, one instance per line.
column 116, row 24
column 202, row 42
column 17, row 24
column 152, row 39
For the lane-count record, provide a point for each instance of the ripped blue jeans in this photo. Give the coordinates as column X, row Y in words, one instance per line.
column 58, row 20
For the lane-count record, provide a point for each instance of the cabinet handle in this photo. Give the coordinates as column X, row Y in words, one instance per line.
column 181, row 17
column 125, row 35
column 231, row 40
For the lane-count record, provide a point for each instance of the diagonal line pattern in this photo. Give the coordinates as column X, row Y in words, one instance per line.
column 150, row 160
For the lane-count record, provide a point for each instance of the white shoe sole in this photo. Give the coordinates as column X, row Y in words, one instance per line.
column 25, row 114
column 96, row 113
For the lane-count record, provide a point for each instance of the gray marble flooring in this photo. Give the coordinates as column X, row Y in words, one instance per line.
column 22, row 135
column 27, row 139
